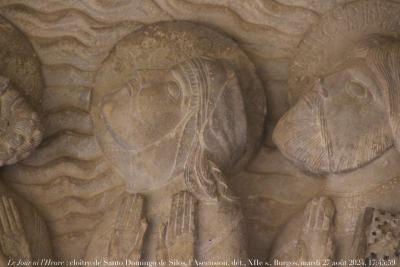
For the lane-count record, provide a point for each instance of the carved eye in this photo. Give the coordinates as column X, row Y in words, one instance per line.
column 174, row 92
column 356, row 90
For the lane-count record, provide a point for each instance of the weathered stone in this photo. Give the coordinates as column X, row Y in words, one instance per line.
column 156, row 141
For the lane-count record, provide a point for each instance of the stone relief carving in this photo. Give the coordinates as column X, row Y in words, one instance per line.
column 13, row 241
column 23, row 233
column 174, row 118
column 377, row 236
column 97, row 54
column 347, row 114
column 178, row 235
column 20, row 127
column 66, row 179
column 383, row 237
column 315, row 239
column 129, row 230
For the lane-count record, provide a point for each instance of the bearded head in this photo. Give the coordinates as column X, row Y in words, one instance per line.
column 351, row 115
column 20, row 128
column 344, row 89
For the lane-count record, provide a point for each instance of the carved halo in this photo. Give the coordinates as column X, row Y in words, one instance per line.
column 337, row 31
column 162, row 46
column 19, row 63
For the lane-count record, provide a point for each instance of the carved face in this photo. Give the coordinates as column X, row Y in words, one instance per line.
column 159, row 124
column 141, row 114
column 20, row 129
column 339, row 125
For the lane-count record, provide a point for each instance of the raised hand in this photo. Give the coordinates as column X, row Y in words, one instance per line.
column 177, row 236
column 316, row 235
column 13, row 242
column 129, row 230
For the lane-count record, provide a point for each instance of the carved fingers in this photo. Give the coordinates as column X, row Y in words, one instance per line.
column 10, row 216
column 317, row 231
column 162, row 252
column 182, row 217
column 12, row 237
column 177, row 236
column 318, row 215
column 129, row 229
column 130, row 212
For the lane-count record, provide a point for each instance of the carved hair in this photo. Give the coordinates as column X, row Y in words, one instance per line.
column 382, row 55
column 20, row 128
column 220, row 125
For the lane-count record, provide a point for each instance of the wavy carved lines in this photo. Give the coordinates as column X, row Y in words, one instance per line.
column 69, row 50
column 315, row 5
column 34, row 25
column 286, row 19
column 67, row 179
column 66, row 118
column 57, row 98
column 65, row 42
column 276, row 14
column 268, row 23
column 72, row 38
column 65, row 195
column 70, row 120
column 293, row 20
column 67, row 23
column 63, row 208
column 270, row 40
column 45, row 174
column 70, row 145
column 101, row 11
column 70, row 187
column 64, row 187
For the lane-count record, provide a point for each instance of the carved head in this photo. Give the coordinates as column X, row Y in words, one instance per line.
column 352, row 113
column 177, row 99
column 189, row 118
column 20, row 129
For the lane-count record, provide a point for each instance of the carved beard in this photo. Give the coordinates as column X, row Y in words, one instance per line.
column 303, row 137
